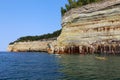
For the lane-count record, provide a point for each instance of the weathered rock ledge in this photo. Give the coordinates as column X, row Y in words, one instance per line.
column 94, row 28
column 31, row 46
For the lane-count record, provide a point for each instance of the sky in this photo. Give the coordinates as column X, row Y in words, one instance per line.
column 20, row 18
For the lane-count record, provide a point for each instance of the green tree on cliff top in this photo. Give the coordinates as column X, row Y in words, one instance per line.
column 75, row 3
column 40, row 37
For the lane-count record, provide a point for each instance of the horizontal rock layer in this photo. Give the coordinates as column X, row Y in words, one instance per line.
column 97, row 23
column 93, row 28
column 33, row 46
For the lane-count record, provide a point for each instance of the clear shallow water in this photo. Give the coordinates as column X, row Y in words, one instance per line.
column 43, row 66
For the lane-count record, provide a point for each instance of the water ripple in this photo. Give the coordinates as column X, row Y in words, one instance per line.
column 43, row 66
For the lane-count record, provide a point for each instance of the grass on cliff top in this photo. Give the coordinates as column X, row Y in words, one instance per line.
column 75, row 3
column 37, row 38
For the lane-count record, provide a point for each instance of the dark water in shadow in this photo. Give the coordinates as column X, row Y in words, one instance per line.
column 43, row 66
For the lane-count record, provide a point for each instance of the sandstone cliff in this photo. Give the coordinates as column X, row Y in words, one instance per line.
column 31, row 46
column 93, row 28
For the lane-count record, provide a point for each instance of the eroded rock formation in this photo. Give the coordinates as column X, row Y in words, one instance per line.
column 94, row 28
column 31, row 46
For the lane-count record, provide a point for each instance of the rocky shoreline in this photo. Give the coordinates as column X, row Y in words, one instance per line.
column 93, row 28
column 31, row 46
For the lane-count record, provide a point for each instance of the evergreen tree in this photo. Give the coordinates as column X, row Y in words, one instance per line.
column 36, row 38
column 70, row 2
column 79, row 3
column 67, row 7
column 75, row 4
column 63, row 10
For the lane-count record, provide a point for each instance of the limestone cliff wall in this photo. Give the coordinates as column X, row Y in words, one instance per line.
column 41, row 46
column 90, row 27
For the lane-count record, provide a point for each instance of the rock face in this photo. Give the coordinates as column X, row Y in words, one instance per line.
column 94, row 28
column 35, row 46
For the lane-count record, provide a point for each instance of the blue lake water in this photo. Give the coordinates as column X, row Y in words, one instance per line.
column 43, row 66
